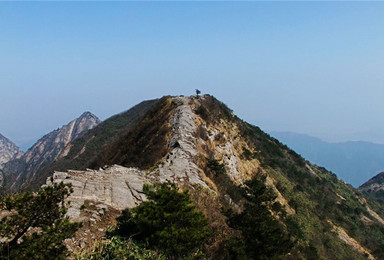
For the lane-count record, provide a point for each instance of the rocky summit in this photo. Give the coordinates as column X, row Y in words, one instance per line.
column 227, row 165
column 8, row 150
column 20, row 172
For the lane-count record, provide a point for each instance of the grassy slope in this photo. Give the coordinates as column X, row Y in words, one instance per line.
column 316, row 199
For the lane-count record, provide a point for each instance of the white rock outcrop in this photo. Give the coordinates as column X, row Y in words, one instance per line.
column 116, row 186
column 179, row 165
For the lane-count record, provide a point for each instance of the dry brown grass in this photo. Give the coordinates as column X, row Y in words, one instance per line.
column 143, row 145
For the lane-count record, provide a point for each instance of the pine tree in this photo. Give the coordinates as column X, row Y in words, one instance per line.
column 263, row 236
column 166, row 222
column 35, row 225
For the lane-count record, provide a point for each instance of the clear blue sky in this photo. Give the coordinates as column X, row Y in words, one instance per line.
column 307, row 67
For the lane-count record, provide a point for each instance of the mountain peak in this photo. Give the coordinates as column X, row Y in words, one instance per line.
column 19, row 173
column 8, row 150
column 80, row 125
column 89, row 115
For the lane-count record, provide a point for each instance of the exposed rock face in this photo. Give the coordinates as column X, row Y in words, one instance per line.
column 375, row 187
column 179, row 165
column 116, row 186
column 8, row 150
column 350, row 241
column 374, row 184
column 19, row 172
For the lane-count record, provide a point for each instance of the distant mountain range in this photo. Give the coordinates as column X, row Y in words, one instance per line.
column 354, row 162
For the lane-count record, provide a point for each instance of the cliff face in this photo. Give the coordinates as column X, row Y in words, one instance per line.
column 8, row 150
column 198, row 143
column 20, row 172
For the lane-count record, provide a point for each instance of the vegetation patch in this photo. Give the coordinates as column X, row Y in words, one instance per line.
column 247, row 154
column 216, row 167
column 212, row 110
column 118, row 248
column 167, row 222
column 202, row 111
column 262, row 236
column 34, row 226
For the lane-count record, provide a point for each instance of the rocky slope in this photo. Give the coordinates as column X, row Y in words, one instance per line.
column 375, row 187
column 198, row 143
column 20, row 172
column 8, row 150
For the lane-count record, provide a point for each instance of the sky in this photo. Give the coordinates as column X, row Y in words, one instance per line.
column 305, row 67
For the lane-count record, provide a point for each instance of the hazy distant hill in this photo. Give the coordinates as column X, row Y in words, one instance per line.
column 353, row 162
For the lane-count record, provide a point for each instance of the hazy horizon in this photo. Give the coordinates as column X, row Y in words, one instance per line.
column 303, row 67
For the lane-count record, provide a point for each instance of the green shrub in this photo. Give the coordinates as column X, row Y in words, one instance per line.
column 44, row 212
column 202, row 111
column 247, row 154
column 166, row 222
column 215, row 166
column 118, row 248
column 263, row 237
